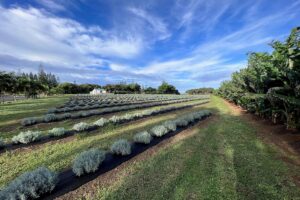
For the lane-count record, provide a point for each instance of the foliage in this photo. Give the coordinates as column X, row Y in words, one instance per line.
column 159, row 130
column 2, row 143
column 269, row 85
column 82, row 126
column 150, row 90
column 123, row 88
column 56, row 132
column 29, row 84
column 142, row 137
column 121, row 147
column 30, row 185
column 28, row 121
column 101, row 122
column 50, row 117
column 170, row 125
column 200, row 91
column 88, row 161
column 26, row 137
column 166, row 88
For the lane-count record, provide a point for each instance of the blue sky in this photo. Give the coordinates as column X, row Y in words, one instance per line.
column 188, row 43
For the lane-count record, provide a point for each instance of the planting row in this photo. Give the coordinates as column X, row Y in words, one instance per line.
column 95, row 104
column 33, row 136
column 32, row 185
column 54, row 117
column 89, row 106
column 83, row 100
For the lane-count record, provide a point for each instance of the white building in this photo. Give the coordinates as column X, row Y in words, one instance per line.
column 98, row 91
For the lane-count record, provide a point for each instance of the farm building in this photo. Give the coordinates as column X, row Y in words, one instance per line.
column 98, row 91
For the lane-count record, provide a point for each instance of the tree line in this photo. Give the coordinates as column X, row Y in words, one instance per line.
column 269, row 86
column 203, row 90
column 31, row 85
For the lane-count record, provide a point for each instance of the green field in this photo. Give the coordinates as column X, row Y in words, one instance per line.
column 223, row 158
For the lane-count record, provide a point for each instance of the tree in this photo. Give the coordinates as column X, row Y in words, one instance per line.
column 150, row 90
column 166, row 88
column 270, row 84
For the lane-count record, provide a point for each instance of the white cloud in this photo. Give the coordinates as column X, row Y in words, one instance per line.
column 39, row 36
column 156, row 23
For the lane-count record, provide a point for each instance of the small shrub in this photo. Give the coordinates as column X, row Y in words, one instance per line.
column 2, row 143
column 171, row 125
column 65, row 116
column 142, row 137
column 30, row 185
column 56, row 132
column 101, row 122
column 88, row 161
column 50, row 118
column 52, row 110
column 84, row 114
column 26, row 137
column 28, row 121
column 181, row 122
column 121, row 147
column 115, row 119
column 128, row 117
column 82, row 126
column 159, row 130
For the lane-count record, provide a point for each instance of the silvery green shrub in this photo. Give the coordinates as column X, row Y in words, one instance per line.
column 52, row 110
column 142, row 137
column 65, row 116
column 181, row 122
column 88, row 161
column 30, row 185
column 50, row 117
column 84, row 114
column 171, row 125
column 57, row 132
column 28, row 121
column 159, row 130
column 82, row 126
column 2, row 143
column 26, row 137
column 128, row 116
column 121, row 147
column 101, row 122
column 115, row 119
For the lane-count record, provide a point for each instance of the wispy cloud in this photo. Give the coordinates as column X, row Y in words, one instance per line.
column 188, row 43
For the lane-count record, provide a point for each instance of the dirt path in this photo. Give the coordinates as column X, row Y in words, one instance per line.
column 109, row 178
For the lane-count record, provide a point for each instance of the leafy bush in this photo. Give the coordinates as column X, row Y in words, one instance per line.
column 159, row 130
column 82, row 126
column 88, row 161
column 142, row 137
column 121, row 147
column 26, row 137
column 30, row 185
column 171, row 125
column 57, row 132
column 28, row 121
column 101, row 122
column 50, row 118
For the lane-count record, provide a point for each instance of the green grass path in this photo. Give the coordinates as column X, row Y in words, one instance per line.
column 224, row 160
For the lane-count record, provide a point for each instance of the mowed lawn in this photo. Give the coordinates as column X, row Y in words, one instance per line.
column 224, row 160
column 12, row 113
